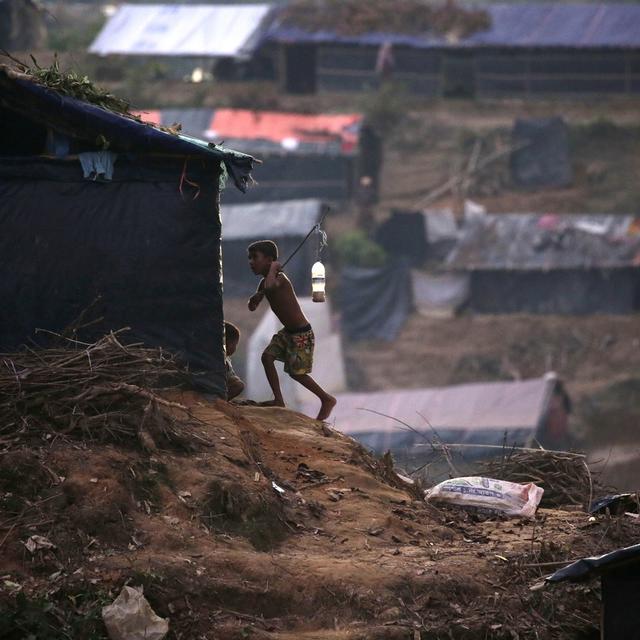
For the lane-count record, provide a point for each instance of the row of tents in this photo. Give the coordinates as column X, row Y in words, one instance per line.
column 518, row 49
column 490, row 263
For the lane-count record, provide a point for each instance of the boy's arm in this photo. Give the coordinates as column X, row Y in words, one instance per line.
column 256, row 298
column 271, row 281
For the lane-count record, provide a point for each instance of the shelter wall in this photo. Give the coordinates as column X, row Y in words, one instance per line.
column 481, row 71
column 343, row 68
column 295, row 177
column 145, row 254
column 509, row 72
column 555, row 292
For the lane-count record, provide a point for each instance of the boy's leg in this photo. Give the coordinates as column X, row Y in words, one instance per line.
column 272, row 377
column 327, row 400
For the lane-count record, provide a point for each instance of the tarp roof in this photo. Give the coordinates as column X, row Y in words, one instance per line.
column 267, row 131
column 529, row 24
column 490, row 406
column 526, row 241
column 182, row 30
column 86, row 121
column 289, row 218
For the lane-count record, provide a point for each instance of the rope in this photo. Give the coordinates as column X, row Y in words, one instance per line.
column 322, row 238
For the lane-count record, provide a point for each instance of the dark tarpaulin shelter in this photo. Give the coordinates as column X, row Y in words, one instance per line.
column 541, row 153
column 619, row 572
column 404, row 233
column 286, row 223
column 144, row 246
column 529, row 48
column 304, row 156
column 375, row 302
column 565, row 264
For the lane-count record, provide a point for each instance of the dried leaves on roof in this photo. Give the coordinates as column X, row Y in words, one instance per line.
column 356, row 17
column 74, row 85
column 80, row 87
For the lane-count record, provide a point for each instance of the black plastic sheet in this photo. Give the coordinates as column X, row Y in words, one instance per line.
column 149, row 254
column 595, row 566
column 375, row 302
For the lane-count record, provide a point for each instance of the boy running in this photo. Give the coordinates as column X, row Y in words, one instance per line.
column 294, row 343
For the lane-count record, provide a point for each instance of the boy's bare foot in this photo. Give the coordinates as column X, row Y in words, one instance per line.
column 272, row 403
column 326, row 408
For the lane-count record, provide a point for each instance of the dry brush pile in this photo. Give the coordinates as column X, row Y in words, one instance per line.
column 564, row 476
column 104, row 391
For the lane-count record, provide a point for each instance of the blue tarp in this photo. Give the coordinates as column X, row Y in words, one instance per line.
column 82, row 120
column 512, row 25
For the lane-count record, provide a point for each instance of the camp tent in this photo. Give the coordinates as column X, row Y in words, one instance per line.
column 565, row 264
column 203, row 30
column 520, row 412
column 304, row 155
column 527, row 48
column 137, row 241
column 286, row 223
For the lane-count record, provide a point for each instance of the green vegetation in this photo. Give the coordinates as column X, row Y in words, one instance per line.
column 67, row 617
column 356, row 249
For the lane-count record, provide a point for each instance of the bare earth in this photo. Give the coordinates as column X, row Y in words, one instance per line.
column 337, row 550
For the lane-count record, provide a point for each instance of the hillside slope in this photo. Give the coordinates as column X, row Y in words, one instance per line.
column 273, row 526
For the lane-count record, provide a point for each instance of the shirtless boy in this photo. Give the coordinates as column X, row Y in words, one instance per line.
column 294, row 343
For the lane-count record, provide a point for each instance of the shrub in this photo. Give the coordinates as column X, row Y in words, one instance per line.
column 356, row 249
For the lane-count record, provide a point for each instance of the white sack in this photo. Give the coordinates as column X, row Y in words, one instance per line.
column 130, row 617
column 498, row 495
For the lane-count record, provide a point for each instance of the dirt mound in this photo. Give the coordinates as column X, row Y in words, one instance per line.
column 279, row 528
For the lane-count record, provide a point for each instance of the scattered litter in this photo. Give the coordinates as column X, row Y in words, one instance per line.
column 36, row 543
column 278, row 488
column 94, row 480
column 256, row 476
column 130, row 617
column 12, row 586
column 311, row 475
column 375, row 531
column 487, row 493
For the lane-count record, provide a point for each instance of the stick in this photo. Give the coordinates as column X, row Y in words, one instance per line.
column 449, row 184
column 315, row 226
column 499, row 446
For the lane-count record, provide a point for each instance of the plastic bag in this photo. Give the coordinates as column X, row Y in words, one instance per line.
column 130, row 617
column 488, row 493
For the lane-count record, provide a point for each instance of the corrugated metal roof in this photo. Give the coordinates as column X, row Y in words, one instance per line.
column 543, row 242
column 260, row 132
column 181, row 30
column 512, row 25
column 270, row 219
column 492, row 406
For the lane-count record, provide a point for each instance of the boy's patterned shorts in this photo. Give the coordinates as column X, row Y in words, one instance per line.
column 294, row 349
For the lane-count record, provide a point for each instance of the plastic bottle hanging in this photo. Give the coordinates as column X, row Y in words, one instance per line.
column 317, row 282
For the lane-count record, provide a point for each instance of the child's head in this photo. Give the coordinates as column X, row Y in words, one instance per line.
column 261, row 255
column 231, row 337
